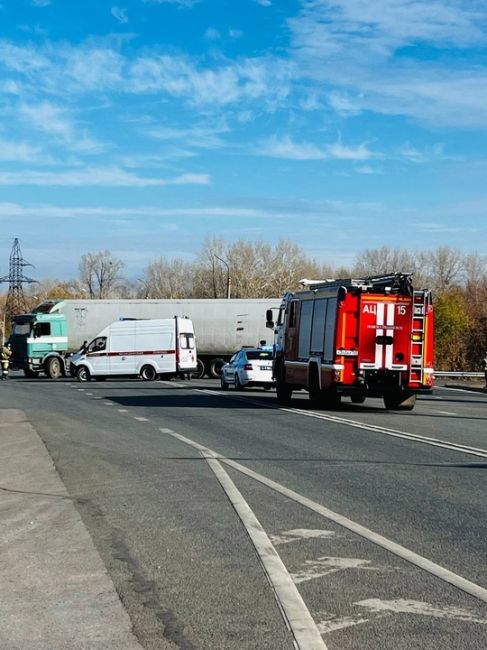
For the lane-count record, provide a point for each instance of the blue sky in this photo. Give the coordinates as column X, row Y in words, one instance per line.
column 141, row 126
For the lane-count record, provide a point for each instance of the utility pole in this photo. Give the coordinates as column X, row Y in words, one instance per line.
column 15, row 303
column 228, row 275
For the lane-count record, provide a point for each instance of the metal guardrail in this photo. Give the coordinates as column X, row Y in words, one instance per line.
column 444, row 373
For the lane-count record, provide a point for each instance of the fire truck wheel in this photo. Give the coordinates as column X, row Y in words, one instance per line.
column 52, row 368
column 331, row 400
column 358, row 399
column 399, row 402
column 148, row 373
column 283, row 393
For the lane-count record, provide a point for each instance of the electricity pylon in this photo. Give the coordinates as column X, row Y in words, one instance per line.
column 15, row 303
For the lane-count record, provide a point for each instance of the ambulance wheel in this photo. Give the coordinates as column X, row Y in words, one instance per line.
column 399, row 401
column 283, row 393
column 358, row 399
column 148, row 373
column 199, row 373
column 52, row 368
column 216, row 367
column 30, row 373
column 83, row 374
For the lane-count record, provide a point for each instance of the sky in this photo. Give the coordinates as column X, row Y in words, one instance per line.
column 143, row 126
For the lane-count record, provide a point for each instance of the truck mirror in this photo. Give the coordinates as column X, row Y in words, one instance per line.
column 269, row 322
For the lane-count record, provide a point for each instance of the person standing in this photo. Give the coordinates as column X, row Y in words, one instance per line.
column 5, row 355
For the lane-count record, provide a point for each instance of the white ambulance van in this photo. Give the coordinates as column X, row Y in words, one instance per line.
column 149, row 349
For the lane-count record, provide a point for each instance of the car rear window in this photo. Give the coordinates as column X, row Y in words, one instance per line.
column 253, row 355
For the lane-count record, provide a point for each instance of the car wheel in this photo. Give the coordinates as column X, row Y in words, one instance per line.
column 223, row 383
column 148, row 373
column 83, row 374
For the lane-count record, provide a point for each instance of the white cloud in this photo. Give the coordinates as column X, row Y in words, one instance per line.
column 264, row 3
column 360, row 49
column 180, row 3
column 286, row 147
column 97, row 177
column 341, row 152
column 120, row 14
column 235, row 33
column 41, row 3
column 212, row 34
column 18, row 151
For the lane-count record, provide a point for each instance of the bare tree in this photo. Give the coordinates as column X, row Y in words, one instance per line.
column 168, row 279
column 379, row 261
column 100, row 273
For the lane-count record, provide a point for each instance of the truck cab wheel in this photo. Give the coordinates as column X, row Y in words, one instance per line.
column 83, row 374
column 53, row 368
column 148, row 373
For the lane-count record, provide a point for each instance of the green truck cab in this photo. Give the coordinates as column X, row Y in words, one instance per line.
column 40, row 343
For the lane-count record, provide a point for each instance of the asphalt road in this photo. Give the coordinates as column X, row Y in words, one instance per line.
column 227, row 522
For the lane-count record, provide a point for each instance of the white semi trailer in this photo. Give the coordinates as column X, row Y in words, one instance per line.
column 44, row 339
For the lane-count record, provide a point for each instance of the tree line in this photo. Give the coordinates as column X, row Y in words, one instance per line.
column 245, row 269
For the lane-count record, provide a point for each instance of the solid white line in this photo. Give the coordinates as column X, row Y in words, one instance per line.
column 394, row 433
column 445, row 412
column 434, row 442
column 293, row 608
column 401, row 551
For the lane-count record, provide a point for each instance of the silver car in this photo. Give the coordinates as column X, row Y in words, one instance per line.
column 248, row 367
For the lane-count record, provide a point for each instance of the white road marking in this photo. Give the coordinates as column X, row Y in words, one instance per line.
column 406, row 554
column 297, row 534
column 108, row 403
column 89, row 393
column 293, row 608
column 81, row 390
column 395, row 433
column 403, row 606
column 433, row 442
column 334, row 623
column 141, row 419
column 445, row 412
column 323, row 566
column 122, row 410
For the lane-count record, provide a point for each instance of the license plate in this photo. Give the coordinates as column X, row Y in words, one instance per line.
column 266, row 367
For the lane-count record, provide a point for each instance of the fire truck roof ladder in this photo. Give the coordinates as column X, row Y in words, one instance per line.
column 392, row 282
column 420, row 300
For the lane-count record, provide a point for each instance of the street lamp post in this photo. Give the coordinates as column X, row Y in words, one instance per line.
column 228, row 275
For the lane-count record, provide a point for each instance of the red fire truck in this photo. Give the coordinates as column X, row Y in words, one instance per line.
column 369, row 337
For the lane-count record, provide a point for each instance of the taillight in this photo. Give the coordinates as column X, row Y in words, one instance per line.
column 248, row 366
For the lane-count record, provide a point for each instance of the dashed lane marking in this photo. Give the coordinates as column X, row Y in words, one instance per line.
column 140, row 419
